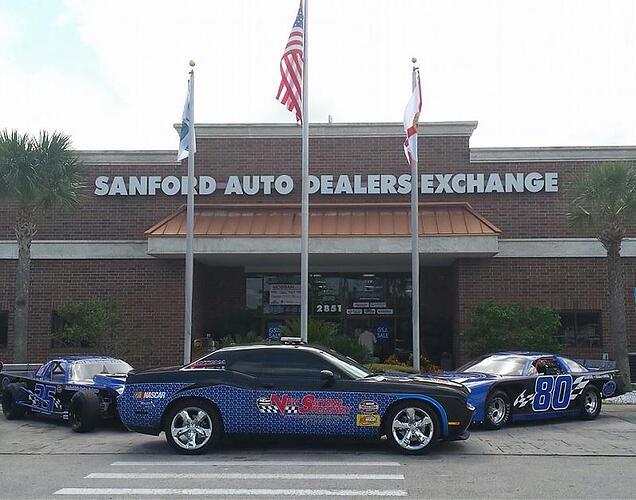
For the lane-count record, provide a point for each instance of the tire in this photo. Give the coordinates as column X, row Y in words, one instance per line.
column 10, row 396
column 196, row 434
column 5, row 382
column 497, row 412
column 83, row 411
column 590, row 403
column 406, row 417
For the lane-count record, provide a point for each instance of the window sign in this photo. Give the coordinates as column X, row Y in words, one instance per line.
column 284, row 294
column 274, row 330
column 382, row 331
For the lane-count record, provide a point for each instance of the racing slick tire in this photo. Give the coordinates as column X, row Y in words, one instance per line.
column 497, row 411
column 193, row 426
column 412, row 427
column 10, row 397
column 590, row 403
column 83, row 411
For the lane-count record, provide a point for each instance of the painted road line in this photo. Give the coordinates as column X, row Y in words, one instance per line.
column 236, row 475
column 229, row 492
column 255, row 463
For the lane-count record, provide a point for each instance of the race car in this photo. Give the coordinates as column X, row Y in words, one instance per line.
column 80, row 389
column 290, row 388
column 518, row 386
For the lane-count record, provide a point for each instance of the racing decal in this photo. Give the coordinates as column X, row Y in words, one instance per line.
column 552, row 392
column 307, row 405
column 368, row 420
column 42, row 399
column 609, row 388
column 523, row 399
column 368, row 407
column 578, row 385
column 150, row 395
column 214, row 364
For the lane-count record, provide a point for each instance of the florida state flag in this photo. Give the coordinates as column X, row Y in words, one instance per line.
column 411, row 117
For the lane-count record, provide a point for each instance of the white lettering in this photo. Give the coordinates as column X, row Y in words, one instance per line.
column 426, row 181
column 494, row 184
column 459, row 183
column 343, row 186
column 404, row 181
column 314, row 184
column 154, row 183
column 267, row 181
column 358, row 188
column 474, row 183
column 233, row 185
column 118, row 187
column 514, row 182
column 284, row 184
column 326, row 184
column 101, row 185
column 207, row 185
column 137, row 185
column 551, row 182
column 170, row 185
column 252, row 187
column 387, row 184
column 534, row 182
column 373, row 184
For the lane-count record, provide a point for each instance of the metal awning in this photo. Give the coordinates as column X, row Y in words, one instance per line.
column 325, row 220
column 342, row 236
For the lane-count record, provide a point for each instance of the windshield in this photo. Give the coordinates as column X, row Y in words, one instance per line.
column 86, row 371
column 505, row 364
column 349, row 366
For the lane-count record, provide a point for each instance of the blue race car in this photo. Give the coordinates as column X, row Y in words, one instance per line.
column 80, row 389
column 518, row 386
column 290, row 389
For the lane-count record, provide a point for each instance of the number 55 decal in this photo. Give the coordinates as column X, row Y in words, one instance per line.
column 552, row 392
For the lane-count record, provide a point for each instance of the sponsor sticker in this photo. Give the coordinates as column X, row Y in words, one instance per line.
column 368, row 407
column 149, row 395
column 367, row 420
column 307, row 405
column 609, row 388
column 219, row 364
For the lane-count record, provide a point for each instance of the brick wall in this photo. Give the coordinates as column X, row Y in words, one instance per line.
column 564, row 284
column 148, row 292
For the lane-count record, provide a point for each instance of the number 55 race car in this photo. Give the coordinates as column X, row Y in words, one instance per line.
column 81, row 389
column 517, row 386
column 290, row 388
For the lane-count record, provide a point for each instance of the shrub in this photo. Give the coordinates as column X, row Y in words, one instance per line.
column 328, row 335
column 95, row 325
column 241, row 339
column 503, row 327
column 426, row 365
column 385, row 367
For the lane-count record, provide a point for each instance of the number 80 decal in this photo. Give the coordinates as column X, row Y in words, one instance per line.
column 552, row 392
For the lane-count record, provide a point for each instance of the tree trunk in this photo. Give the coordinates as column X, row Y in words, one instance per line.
column 24, row 232
column 618, row 310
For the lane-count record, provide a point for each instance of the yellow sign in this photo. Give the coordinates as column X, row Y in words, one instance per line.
column 367, row 420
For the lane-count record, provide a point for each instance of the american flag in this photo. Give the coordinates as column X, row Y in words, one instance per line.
column 290, row 90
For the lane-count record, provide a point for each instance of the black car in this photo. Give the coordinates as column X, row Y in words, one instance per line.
column 291, row 388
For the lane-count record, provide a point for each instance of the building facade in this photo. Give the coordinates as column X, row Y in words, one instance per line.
column 493, row 228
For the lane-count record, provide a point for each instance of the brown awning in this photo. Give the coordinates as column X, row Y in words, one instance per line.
column 326, row 220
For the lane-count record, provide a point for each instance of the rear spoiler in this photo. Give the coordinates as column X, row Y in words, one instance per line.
column 18, row 367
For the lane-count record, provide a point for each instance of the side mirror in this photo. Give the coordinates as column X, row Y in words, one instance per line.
column 327, row 377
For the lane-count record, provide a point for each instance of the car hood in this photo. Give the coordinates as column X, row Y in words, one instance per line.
column 417, row 379
column 467, row 378
column 109, row 381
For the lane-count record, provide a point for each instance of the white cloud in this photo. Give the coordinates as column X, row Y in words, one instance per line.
column 533, row 73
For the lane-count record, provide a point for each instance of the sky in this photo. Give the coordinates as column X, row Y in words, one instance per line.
column 113, row 74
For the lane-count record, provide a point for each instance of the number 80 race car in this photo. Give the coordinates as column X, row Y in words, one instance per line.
column 518, row 386
column 290, row 388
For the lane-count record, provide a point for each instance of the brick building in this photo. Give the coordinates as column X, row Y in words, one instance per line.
column 492, row 223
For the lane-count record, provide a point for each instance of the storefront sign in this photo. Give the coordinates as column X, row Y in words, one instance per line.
column 369, row 311
column 382, row 331
column 284, row 294
column 274, row 330
column 354, row 311
column 360, row 304
column 384, row 311
column 250, row 185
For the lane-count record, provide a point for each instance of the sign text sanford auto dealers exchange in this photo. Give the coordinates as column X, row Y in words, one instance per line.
column 248, row 185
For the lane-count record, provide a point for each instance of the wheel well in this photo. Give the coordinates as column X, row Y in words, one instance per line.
column 174, row 402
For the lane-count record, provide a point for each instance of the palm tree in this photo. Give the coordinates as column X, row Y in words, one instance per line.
column 604, row 201
column 36, row 173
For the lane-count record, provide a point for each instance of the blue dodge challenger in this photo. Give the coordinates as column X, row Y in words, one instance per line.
column 291, row 388
column 517, row 386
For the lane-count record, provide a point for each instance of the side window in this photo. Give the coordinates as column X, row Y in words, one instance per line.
column 573, row 366
column 547, row 366
column 280, row 363
column 58, row 374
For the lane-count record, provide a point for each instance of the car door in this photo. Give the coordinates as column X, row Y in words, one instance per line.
column 291, row 396
column 44, row 397
column 546, row 390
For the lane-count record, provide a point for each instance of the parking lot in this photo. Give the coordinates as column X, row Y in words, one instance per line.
column 582, row 459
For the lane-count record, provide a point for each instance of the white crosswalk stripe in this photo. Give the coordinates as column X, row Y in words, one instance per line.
column 242, row 478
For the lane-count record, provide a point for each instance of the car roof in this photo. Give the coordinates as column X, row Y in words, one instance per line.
column 273, row 345
column 75, row 359
column 527, row 354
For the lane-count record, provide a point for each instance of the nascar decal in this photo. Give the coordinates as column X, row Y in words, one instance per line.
column 368, row 414
column 307, row 405
column 368, row 407
column 149, row 395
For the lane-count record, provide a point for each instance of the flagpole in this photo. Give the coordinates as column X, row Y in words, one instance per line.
column 415, row 255
column 189, row 253
column 304, row 219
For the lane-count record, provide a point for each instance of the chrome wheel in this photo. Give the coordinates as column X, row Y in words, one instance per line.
column 497, row 410
column 412, row 428
column 191, row 428
column 591, row 402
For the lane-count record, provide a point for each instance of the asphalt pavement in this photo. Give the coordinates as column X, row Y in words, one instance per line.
column 565, row 459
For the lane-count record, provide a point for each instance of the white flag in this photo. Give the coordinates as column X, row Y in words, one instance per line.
column 411, row 118
column 186, row 129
